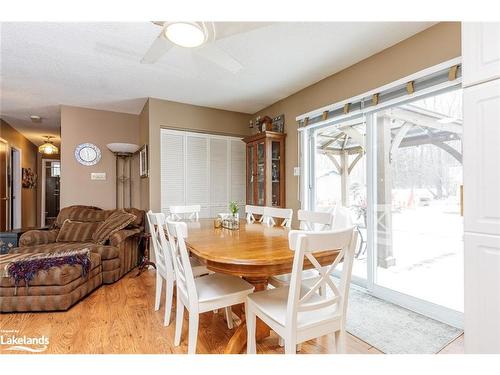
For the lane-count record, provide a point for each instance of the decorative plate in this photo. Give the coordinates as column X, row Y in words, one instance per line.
column 87, row 154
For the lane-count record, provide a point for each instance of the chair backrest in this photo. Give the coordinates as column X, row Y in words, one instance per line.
column 315, row 220
column 161, row 248
column 342, row 218
column 178, row 232
column 180, row 212
column 305, row 244
column 271, row 213
column 251, row 210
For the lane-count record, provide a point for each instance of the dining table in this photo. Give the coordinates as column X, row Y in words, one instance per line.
column 254, row 252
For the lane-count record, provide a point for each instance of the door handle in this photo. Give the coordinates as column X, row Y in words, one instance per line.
column 4, row 199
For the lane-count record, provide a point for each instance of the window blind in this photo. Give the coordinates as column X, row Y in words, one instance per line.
column 203, row 169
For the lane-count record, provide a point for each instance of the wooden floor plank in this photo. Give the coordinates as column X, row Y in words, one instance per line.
column 120, row 318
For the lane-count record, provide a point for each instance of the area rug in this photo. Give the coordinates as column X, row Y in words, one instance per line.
column 393, row 329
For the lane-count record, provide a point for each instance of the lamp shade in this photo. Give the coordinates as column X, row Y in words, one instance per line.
column 122, row 148
column 48, row 148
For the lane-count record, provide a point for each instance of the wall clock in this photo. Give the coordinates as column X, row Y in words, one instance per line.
column 87, row 154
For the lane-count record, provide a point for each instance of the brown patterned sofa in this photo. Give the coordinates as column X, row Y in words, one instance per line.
column 61, row 288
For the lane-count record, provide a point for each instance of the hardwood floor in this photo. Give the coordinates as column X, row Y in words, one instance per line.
column 119, row 318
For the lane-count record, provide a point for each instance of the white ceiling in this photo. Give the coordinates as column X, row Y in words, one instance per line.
column 97, row 65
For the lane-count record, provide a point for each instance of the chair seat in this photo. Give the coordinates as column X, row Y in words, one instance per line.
column 198, row 267
column 273, row 303
column 284, row 280
column 217, row 286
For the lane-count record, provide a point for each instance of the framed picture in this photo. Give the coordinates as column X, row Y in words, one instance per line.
column 29, row 178
column 143, row 162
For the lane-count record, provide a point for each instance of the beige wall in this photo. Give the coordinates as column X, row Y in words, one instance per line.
column 29, row 160
column 167, row 114
column 427, row 48
column 81, row 125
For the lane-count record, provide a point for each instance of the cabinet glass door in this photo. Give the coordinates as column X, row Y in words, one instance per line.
column 275, row 172
column 251, row 174
column 261, row 170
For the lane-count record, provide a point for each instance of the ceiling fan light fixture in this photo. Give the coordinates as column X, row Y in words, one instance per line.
column 185, row 34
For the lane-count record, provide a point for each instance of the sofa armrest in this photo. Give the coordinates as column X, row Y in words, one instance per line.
column 117, row 238
column 38, row 237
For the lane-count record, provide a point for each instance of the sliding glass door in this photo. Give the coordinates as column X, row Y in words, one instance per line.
column 399, row 171
column 418, row 216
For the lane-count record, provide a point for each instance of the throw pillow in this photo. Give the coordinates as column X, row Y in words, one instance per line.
column 116, row 221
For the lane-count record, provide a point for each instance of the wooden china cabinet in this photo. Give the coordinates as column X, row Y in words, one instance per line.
column 266, row 169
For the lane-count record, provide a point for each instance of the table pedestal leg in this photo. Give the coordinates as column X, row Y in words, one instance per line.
column 239, row 340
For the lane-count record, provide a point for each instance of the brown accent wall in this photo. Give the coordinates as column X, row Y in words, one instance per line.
column 28, row 160
column 166, row 114
column 430, row 47
column 81, row 125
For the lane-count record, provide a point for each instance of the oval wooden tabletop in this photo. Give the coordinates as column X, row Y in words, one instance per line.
column 253, row 250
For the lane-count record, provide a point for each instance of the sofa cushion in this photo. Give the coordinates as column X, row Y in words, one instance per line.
column 77, row 231
column 81, row 213
column 139, row 220
column 116, row 221
column 38, row 237
column 106, row 252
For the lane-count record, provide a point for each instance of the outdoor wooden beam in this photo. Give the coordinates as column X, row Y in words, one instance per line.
column 354, row 162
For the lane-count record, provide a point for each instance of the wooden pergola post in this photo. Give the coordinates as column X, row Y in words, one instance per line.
column 383, row 213
column 344, row 177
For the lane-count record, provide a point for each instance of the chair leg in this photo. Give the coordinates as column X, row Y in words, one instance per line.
column 159, row 284
column 169, row 294
column 229, row 317
column 340, row 341
column 290, row 347
column 251, row 328
column 179, row 318
column 193, row 332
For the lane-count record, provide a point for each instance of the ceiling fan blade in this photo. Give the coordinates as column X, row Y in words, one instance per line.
column 159, row 47
column 220, row 58
column 226, row 29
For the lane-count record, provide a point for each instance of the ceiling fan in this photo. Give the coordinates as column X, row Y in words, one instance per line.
column 200, row 36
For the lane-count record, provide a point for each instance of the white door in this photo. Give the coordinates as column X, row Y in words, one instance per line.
column 482, row 288
column 480, row 51
column 482, row 158
column 481, row 68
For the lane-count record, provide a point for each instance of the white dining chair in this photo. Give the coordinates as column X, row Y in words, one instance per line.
column 164, row 265
column 309, row 220
column 272, row 213
column 315, row 220
column 251, row 210
column 298, row 313
column 202, row 294
column 185, row 212
column 341, row 218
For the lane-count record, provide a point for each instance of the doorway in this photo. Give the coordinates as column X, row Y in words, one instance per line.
column 10, row 187
column 51, row 175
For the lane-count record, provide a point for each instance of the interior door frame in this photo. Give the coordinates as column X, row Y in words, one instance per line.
column 16, row 201
column 42, row 198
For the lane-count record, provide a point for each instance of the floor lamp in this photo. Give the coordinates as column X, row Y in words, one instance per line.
column 123, row 153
